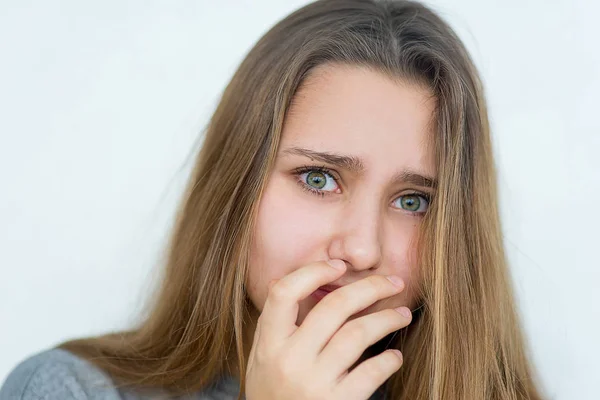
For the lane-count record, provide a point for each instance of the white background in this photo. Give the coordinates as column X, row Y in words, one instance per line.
column 102, row 102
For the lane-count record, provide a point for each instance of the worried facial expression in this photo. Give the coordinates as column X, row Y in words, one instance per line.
column 351, row 181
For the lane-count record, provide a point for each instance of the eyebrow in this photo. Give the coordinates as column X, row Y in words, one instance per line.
column 356, row 165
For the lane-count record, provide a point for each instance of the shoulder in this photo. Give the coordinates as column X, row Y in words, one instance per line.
column 57, row 374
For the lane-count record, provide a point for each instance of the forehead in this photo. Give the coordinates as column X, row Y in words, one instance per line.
column 360, row 112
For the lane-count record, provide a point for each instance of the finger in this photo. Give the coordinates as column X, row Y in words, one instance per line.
column 280, row 311
column 369, row 375
column 350, row 342
column 333, row 310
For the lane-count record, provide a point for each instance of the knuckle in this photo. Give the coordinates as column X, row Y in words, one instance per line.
column 382, row 365
column 374, row 370
column 279, row 290
column 377, row 282
column 263, row 354
column 336, row 299
column 287, row 366
column 355, row 331
column 260, row 355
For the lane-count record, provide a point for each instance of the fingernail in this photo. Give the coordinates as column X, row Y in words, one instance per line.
column 395, row 280
column 397, row 352
column 404, row 311
column 337, row 264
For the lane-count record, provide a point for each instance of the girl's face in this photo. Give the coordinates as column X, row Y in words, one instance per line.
column 347, row 183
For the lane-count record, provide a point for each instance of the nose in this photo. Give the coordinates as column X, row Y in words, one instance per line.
column 357, row 239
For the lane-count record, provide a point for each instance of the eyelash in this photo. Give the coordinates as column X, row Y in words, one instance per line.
column 327, row 171
column 307, row 168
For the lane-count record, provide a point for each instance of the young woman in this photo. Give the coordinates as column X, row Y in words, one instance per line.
column 339, row 237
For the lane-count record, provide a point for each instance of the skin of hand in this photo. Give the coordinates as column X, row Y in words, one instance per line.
column 312, row 361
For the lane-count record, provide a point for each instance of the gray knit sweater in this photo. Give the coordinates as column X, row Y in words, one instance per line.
column 60, row 375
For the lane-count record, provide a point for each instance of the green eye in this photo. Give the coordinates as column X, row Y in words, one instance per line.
column 316, row 179
column 411, row 203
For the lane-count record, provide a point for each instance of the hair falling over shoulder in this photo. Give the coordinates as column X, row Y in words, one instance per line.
column 465, row 342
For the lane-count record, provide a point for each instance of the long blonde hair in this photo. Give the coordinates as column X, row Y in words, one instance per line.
column 465, row 341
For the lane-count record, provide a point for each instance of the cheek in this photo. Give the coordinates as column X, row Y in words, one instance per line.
column 403, row 262
column 286, row 236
